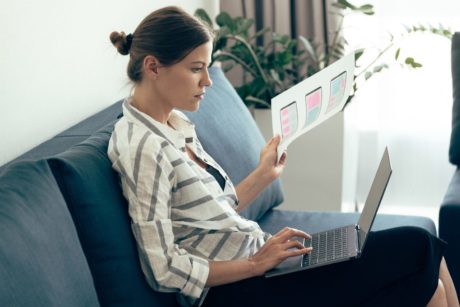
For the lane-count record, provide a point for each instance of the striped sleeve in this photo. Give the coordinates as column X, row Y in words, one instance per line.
column 166, row 266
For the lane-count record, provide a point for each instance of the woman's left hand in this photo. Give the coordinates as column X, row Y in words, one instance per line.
column 268, row 166
column 267, row 170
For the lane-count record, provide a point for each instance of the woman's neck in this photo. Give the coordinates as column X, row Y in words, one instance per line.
column 145, row 100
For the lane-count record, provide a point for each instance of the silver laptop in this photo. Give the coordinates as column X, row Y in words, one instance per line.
column 343, row 243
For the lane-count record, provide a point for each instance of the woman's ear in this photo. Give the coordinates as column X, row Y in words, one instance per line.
column 151, row 65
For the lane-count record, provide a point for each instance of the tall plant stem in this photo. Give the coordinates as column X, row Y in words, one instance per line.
column 238, row 60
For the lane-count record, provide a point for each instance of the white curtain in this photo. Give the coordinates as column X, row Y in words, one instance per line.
column 407, row 110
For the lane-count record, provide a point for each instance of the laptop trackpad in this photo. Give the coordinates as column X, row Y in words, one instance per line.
column 289, row 265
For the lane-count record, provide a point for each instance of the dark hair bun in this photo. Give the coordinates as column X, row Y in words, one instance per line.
column 120, row 41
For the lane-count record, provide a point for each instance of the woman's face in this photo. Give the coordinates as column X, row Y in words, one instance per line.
column 182, row 85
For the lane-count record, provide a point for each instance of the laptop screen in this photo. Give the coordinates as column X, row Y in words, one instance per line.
column 374, row 198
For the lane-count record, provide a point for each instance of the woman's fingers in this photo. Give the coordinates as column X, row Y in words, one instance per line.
column 276, row 140
column 292, row 244
column 282, row 160
column 298, row 252
column 288, row 233
column 279, row 247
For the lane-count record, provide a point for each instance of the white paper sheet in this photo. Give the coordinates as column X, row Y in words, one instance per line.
column 312, row 101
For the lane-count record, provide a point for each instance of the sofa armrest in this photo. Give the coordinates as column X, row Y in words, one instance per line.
column 449, row 230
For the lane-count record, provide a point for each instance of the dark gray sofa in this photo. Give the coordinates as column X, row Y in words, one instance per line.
column 449, row 213
column 65, row 236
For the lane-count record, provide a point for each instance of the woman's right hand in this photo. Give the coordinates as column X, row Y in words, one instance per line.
column 278, row 248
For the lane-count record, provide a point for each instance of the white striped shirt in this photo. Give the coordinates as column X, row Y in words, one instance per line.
column 181, row 217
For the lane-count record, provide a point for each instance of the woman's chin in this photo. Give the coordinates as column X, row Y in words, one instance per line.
column 194, row 107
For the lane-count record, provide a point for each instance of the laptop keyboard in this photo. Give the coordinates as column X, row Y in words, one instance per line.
column 327, row 246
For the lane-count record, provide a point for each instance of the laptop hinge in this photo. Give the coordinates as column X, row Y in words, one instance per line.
column 358, row 249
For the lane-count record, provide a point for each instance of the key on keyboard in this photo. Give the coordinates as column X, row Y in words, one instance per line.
column 327, row 246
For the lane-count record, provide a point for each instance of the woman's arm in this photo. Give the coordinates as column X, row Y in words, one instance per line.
column 267, row 171
column 275, row 250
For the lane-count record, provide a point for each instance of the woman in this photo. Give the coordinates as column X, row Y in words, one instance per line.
column 184, row 211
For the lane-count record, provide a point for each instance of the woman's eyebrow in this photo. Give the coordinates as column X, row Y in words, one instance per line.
column 198, row 62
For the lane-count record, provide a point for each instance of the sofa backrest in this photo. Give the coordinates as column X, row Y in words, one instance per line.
column 454, row 149
column 100, row 213
column 230, row 135
column 41, row 259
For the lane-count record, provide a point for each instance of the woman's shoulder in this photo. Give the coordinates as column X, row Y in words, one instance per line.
column 132, row 135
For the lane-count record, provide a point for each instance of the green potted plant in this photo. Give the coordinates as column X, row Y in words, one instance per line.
column 283, row 61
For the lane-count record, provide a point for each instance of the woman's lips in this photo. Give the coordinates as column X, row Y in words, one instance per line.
column 199, row 96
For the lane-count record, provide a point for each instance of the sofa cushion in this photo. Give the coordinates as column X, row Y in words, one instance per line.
column 454, row 149
column 100, row 213
column 311, row 222
column 41, row 259
column 230, row 135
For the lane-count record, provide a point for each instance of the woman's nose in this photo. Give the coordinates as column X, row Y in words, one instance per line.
column 206, row 81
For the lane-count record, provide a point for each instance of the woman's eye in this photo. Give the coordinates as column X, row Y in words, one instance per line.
column 196, row 69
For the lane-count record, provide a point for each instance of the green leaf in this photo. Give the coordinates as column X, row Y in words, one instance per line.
column 379, row 68
column 283, row 58
column 275, row 76
column 224, row 20
column 245, row 24
column 311, row 71
column 292, row 43
column 309, row 47
column 409, row 60
column 201, row 14
column 397, row 53
column 358, row 53
column 224, row 31
column 339, row 5
column 367, row 75
column 282, row 39
column 219, row 44
column 260, row 32
column 367, row 9
column 346, row 4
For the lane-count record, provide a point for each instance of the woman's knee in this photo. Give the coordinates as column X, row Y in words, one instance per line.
column 406, row 245
column 439, row 296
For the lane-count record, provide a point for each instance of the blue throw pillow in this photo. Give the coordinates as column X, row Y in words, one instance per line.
column 100, row 213
column 230, row 135
column 41, row 259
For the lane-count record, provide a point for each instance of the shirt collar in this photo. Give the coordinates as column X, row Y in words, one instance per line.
column 183, row 132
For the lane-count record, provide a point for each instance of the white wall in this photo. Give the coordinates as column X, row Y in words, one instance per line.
column 57, row 65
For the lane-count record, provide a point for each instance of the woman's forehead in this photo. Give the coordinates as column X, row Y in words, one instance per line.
column 200, row 54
